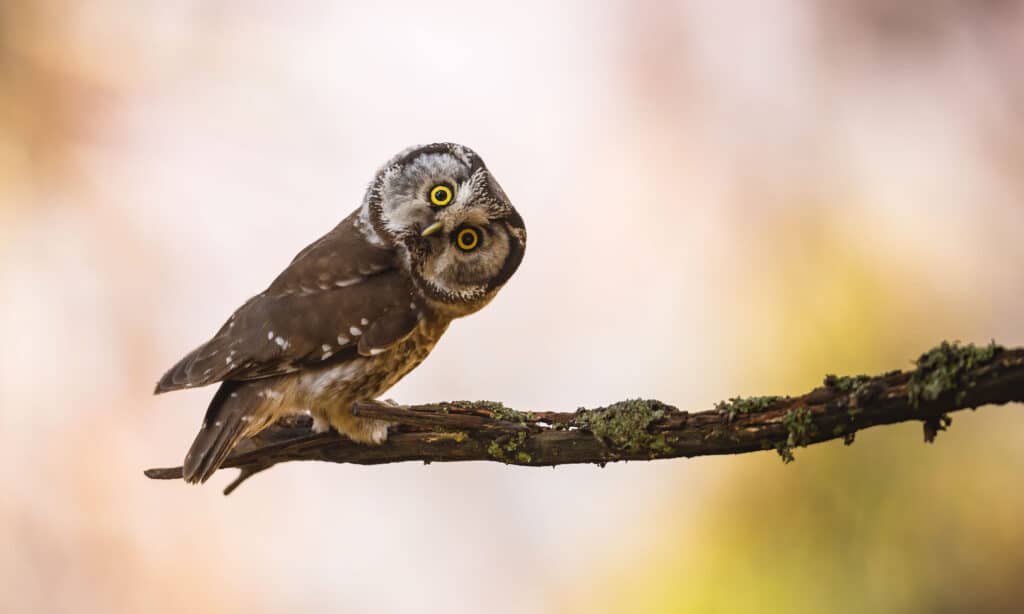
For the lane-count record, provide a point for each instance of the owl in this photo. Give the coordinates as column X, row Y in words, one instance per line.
column 434, row 240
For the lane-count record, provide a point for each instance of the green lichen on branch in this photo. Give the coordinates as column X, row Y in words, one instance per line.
column 662, row 443
column 859, row 390
column 749, row 405
column 509, row 450
column 800, row 428
column 507, row 414
column 933, row 425
column 845, row 383
column 497, row 410
column 491, row 406
column 947, row 368
column 625, row 425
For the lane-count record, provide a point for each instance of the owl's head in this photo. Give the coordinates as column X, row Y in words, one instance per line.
column 459, row 234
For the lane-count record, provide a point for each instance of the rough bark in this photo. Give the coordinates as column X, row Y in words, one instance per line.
column 948, row 378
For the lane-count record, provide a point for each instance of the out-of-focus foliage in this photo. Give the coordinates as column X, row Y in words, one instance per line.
column 885, row 525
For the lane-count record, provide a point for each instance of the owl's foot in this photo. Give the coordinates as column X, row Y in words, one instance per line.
column 360, row 430
column 320, row 424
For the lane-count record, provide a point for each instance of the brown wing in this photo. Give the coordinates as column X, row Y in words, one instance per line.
column 291, row 325
column 341, row 258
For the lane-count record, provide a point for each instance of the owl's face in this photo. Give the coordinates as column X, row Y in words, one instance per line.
column 460, row 235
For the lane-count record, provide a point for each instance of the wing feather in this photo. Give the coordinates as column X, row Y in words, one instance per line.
column 297, row 323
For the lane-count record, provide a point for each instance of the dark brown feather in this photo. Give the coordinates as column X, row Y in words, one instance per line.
column 222, row 427
column 388, row 329
column 276, row 335
column 340, row 258
column 296, row 323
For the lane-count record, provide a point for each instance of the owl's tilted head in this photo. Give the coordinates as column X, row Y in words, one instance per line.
column 459, row 234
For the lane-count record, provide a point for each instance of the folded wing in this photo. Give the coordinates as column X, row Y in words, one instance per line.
column 340, row 297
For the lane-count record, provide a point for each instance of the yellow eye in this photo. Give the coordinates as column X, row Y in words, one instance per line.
column 467, row 239
column 440, row 195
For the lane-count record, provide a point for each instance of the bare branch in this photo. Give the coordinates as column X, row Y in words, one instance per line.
column 948, row 378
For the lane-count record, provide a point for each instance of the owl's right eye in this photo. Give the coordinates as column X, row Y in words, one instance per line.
column 467, row 239
column 441, row 195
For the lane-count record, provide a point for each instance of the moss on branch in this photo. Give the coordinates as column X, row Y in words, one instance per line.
column 947, row 378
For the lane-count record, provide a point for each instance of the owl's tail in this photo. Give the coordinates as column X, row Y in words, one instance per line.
column 223, row 425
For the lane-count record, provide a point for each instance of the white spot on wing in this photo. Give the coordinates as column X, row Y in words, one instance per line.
column 281, row 341
column 342, row 340
column 364, row 321
column 270, row 335
column 355, row 331
column 375, row 351
column 342, row 283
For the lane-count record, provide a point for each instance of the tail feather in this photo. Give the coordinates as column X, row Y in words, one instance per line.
column 178, row 376
column 223, row 426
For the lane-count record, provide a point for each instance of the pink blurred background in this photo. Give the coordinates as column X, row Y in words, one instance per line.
column 722, row 197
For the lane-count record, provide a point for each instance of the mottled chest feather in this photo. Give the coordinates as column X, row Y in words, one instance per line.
column 364, row 377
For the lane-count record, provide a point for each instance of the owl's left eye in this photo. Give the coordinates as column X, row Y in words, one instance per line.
column 467, row 239
column 441, row 195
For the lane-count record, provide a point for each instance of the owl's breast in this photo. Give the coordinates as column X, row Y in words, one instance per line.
column 366, row 377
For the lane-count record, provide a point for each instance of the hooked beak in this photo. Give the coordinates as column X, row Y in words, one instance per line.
column 429, row 230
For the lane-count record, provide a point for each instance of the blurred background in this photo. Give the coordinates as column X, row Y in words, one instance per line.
column 723, row 198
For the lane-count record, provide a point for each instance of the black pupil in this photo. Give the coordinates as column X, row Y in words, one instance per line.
column 468, row 238
column 441, row 194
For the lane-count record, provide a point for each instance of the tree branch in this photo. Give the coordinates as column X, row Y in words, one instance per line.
column 948, row 378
